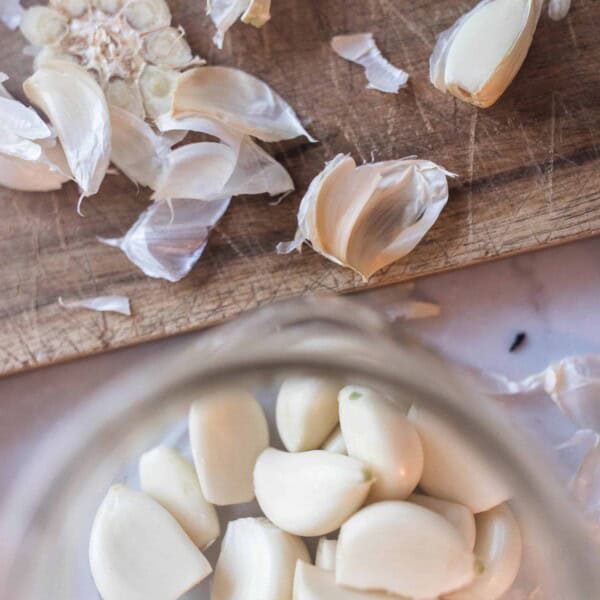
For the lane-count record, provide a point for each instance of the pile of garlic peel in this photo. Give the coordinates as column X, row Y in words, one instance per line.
column 462, row 543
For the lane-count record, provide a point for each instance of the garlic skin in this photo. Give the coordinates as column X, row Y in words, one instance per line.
column 306, row 412
column 258, row 13
column 335, row 442
column 27, row 176
column 479, row 56
column 558, row 9
column 377, row 433
column 452, row 470
column 228, row 432
column 138, row 550
column 325, row 558
column 172, row 481
column 116, row 304
column 403, row 549
column 309, row 493
column 499, row 548
column 257, row 560
column 224, row 14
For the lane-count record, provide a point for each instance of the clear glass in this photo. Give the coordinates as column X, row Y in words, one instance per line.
column 47, row 515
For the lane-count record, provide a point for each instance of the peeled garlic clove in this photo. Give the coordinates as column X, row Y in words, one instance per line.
column 167, row 47
column 479, row 56
column 224, row 13
column 257, row 560
column 42, row 25
column 77, row 109
column 238, row 100
column 325, row 558
column 138, row 550
column 258, row 13
column 147, row 15
column 28, row 176
column 306, row 412
column 335, row 442
column 157, row 86
column 499, row 548
column 378, row 434
column 309, row 493
column 452, row 470
column 404, row 549
column 457, row 514
column 172, row 481
column 74, row 8
column 228, row 431
column 125, row 95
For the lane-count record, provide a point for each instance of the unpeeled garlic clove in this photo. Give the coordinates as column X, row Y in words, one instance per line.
column 125, row 95
column 258, row 13
column 335, row 442
column 168, row 48
column 309, row 493
column 157, row 86
column 325, row 557
column 228, row 431
column 138, row 550
column 479, row 56
column 42, row 25
column 147, row 15
column 457, row 514
column 110, row 7
column 74, row 8
column 306, row 411
column 403, row 549
column 499, row 548
column 257, row 560
column 378, row 434
column 172, row 481
column 452, row 469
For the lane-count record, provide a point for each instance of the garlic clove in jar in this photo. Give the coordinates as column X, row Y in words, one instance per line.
column 306, row 412
column 335, row 442
column 325, row 557
column 258, row 13
column 309, row 493
column 257, row 560
column 457, row 514
column 479, row 56
column 403, row 549
column 147, row 15
column 139, row 551
column 228, row 431
column 499, row 548
column 452, row 469
column 172, row 481
column 42, row 25
column 378, row 434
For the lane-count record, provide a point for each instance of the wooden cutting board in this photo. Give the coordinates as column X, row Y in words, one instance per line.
column 529, row 176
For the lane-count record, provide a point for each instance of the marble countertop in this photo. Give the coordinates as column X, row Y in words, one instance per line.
column 550, row 295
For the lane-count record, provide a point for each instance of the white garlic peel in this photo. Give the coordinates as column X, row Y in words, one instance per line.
column 370, row 216
column 335, row 442
column 138, row 550
column 228, row 431
column 306, row 412
column 361, row 49
column 325, row 557
column 224, row 13
column 27, row 176
column 11, row 13
column 457, row 514
column 238, row 100
column 377, row 433
column 499, row 548
column 558, row 9
column 479, row 56
column 172, row 481
column 257, row 561
column 403, row 549
column 452, row 469
column 116, row 304
column 42, row 25
column 258, row 13
column 309, row 493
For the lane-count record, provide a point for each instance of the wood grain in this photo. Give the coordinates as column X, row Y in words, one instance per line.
column 528, row 176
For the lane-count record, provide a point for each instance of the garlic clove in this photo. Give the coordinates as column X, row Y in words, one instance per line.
column 125, row 95
column 77, row 109
column 28, row 176
column 147, row 15
column 335, row 442
column 236, row 99
column 110, row 7
column 479, row 56
column 73, row 8
column 309, row 493
column 172, row 481
column 157, row 86
column 139, row 551
column 379, row 435
column 50, row 54
column 224, row 13
column 452, row 470
column 258, row 13
column 168, row 48
column 306, row 412
column 228, row 431
column 403, row 549
column 457, row 514
column 257, row 560
column 42, row 25
column 325, row 558
column 499, row 548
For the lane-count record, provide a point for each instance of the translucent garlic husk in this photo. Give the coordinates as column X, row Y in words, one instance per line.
column 224, row 14
column 116, row 304
column 157, row 86
column 258, row 13
column 479, row 56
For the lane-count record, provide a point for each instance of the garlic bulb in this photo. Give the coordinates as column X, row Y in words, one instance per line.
column 325, row 557
column 335, row 442
column 306, row 412
column 403, row 549
column 228, row 431
column 479, row 56
column 309, row 493
column 138, row 550
column 172, row 481
column 224, row 13
column 367, row 217
column 257, row 561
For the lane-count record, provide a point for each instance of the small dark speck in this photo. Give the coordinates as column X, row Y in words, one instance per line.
column 518, row 341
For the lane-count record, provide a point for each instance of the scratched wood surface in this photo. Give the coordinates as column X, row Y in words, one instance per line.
column 529, row 176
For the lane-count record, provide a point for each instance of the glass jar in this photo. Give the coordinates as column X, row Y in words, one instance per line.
column 47, row 515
